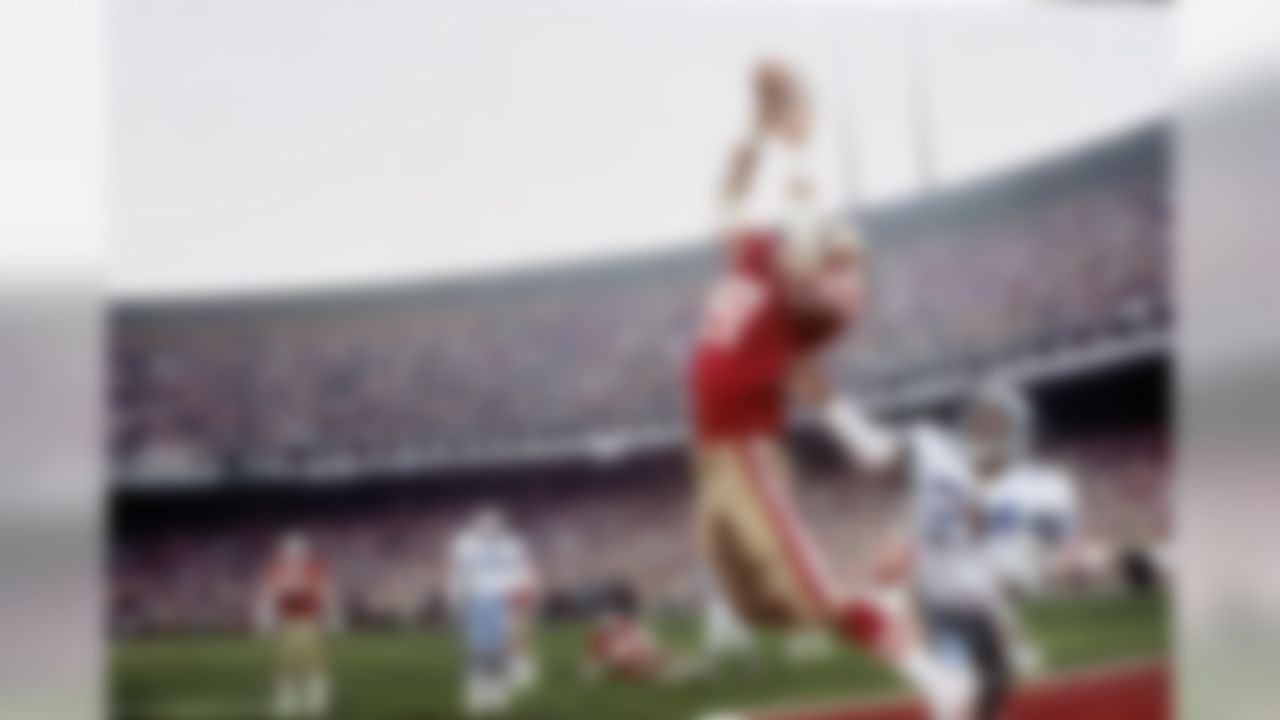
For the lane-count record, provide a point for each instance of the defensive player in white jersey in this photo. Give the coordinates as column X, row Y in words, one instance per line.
column 1032, row 508
column 950, row 481
column 488, row 569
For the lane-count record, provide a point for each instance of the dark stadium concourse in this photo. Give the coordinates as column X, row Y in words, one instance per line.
column 1129, row 395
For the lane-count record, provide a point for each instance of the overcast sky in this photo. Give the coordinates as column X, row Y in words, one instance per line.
column 279, row 144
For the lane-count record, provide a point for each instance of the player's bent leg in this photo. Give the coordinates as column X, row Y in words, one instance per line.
column 773, row 573
column 742, row 543
column 762, row 551
column 744, row 575
column 981, row 645
column 882, row 623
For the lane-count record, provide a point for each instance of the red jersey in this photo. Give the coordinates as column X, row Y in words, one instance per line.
column 750, row 338
column 623, row 646
column 298, row 587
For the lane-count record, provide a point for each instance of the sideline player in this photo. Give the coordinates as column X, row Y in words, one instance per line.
column 488, row 567
column 783, row 296
column 621, row 646
column 297, row 604
column 961, row 498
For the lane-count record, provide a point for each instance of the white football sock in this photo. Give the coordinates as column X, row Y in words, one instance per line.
column 286, row 701
column 947, row 690
column 525, row 671
column 316, row 695
column 486, row 696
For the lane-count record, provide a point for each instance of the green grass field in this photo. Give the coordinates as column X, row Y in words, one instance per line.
column 414, row 676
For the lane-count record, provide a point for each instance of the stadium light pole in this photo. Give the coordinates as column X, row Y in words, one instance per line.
column 847, row 128
column 919, row 102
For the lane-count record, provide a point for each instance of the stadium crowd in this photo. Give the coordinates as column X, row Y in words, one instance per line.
column 331, row 385
column 588, row 535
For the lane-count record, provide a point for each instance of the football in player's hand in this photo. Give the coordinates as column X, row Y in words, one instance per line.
column 775, row 90
column 780, row 105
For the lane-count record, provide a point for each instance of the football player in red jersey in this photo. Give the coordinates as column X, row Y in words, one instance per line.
column 783, row 296
column 297, row 604
column 621, row 646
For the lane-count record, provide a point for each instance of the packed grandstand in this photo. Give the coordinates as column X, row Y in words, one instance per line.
column 190, row 565
column 560, row 394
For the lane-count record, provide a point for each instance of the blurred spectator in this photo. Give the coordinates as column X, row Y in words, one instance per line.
column 587, row 533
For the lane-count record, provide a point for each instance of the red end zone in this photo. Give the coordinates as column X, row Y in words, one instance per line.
column 1131, row 692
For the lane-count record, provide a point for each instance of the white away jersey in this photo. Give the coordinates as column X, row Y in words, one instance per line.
column 483, row 564
column 1032, row 512
column 946, row 510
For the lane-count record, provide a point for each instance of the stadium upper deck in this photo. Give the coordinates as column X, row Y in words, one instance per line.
column 1049, row 270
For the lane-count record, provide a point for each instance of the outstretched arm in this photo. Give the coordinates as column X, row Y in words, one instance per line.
column 744, row 159
column 869, row 444
column 780, row 126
